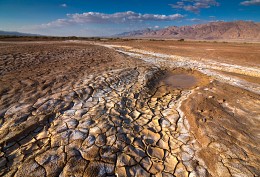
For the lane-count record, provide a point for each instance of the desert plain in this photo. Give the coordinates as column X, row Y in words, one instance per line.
column 129, row 108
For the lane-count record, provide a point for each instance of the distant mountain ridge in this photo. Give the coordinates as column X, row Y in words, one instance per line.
column 237, row 30
column 14, row 33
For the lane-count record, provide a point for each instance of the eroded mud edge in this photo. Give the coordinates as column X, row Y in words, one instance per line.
column 206, row 66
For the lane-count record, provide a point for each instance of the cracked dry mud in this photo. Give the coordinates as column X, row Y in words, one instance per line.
column 71, row 109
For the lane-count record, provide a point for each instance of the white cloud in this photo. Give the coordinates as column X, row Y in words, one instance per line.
column 63, row 5
column 195, row 20
column 251, row 3
column 120, row 17
column 102, row 18
column 194, row 5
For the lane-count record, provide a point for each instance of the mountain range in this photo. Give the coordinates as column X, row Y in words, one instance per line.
column 236, row 30
column 14, row 33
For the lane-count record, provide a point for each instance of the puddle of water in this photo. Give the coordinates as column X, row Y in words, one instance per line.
column 180, row 81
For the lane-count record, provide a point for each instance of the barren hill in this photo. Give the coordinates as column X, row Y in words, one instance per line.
column 237, row 30
column 15, row 33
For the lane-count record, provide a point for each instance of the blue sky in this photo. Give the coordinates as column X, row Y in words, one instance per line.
column 108, row 17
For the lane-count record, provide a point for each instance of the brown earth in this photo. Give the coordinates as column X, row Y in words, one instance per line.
column 77, row 109
column 247, row 54
column 225, row 121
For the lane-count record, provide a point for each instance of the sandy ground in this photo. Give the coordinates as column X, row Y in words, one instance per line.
column 131, row 108
column 246, row 54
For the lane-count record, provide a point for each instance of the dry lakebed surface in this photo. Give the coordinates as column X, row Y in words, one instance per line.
column 129, row 108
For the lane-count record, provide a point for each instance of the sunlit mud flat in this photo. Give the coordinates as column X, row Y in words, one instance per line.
column 77, row 109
